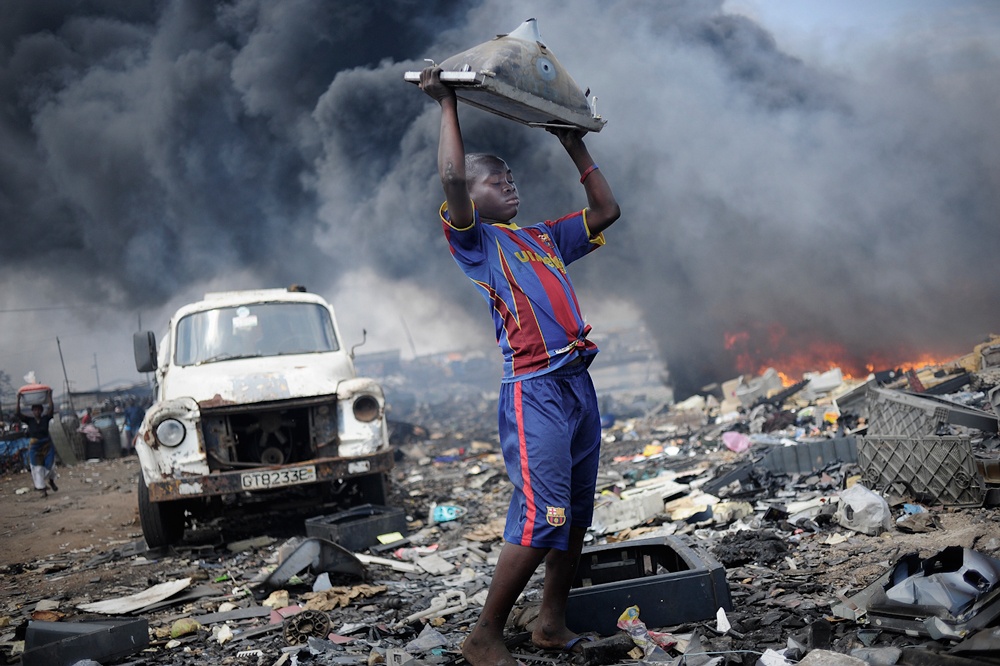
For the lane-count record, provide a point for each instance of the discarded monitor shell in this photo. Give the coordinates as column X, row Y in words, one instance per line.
column 517, row 77
column 316, row 554
column 950, row 595
column 65, row 643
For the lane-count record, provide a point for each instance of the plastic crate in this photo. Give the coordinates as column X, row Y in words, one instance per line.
column 670, row 581
column 938, row 469
column 358, row 528
column 808, row 457
column 897, row 413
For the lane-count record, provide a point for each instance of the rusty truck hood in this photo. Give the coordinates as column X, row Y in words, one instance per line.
column 251, row 380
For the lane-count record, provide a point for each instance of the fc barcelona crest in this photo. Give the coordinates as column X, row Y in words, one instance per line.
column 555, row 516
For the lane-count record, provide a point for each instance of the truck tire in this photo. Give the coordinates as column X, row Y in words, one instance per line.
column 372, row 489
column 162, row 522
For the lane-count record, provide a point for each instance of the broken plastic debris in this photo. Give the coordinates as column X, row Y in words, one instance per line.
column 48, row 643
column 299, row 627
column 443, row 513
column 222, row 633
column 428, row 639
column 318, row 555
column 722, row 624
column 863, row 510
column 446, row 603
column 134, row 602
column 736, row 442
column 390, row 537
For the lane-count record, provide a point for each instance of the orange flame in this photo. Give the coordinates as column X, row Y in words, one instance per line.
column 756, row 351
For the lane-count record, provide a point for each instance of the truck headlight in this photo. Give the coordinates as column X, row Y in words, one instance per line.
column 366, row 408
column 170, row 432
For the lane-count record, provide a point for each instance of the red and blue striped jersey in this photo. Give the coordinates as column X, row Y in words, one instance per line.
column 521, row 272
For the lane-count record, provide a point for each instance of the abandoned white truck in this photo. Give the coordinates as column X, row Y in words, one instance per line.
column 256, row 399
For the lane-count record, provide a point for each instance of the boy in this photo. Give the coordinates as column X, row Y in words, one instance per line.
column 548, row 417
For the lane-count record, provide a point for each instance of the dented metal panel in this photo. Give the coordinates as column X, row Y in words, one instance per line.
column 518, row 77
column 187, row 458
column 251, row 380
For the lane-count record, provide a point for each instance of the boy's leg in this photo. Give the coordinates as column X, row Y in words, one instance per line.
column 561, row 565
column 560, row 570
column 484, row 645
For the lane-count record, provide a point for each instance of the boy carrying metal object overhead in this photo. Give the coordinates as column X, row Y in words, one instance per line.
column 549, row 424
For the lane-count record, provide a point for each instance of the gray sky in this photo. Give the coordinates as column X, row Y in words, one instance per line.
column 807, row 178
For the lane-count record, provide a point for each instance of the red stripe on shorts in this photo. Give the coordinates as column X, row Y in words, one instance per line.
column 522, row 446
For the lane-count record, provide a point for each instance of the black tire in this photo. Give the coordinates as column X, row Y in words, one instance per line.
column 162, row 522
column 372, row 489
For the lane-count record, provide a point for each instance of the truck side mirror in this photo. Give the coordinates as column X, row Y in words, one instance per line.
column 364, row 338
column 144, row 346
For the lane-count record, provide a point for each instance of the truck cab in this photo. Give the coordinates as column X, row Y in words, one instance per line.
column 256, row 399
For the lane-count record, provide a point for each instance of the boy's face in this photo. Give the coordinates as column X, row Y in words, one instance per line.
column 493, row 190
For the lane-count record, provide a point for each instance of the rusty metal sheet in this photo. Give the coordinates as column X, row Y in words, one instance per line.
column 227, row 483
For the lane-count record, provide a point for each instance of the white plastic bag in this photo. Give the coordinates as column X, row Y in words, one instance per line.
column 863, row 510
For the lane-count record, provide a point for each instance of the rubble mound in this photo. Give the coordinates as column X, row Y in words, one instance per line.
column 750, row 547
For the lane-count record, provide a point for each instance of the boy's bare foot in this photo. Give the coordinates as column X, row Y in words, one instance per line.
column 564, row 640
column 487, row 653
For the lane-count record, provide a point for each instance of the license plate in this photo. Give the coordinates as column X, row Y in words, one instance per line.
column 276, row 478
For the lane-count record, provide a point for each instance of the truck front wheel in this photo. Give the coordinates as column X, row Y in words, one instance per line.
column 162, row 522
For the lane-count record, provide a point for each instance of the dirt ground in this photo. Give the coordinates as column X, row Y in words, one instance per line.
column 95, row 507
column 94, row 511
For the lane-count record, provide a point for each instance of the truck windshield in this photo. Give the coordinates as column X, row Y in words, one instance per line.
column 249, row 331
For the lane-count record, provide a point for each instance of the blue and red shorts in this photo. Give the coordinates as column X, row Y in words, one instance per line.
column 550, row 433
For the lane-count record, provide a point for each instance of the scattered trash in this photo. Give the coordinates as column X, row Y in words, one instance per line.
column 630, row 623
column 736, row 441
column 299, row 627
column 358, row 528
column 864, row 511
column 613, row 577
column 443, row 513
column 773, row 549
column 184, row 626
column 317, row 555
column 65, row 643
column 137, row 601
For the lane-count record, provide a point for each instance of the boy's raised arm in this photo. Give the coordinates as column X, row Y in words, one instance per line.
column 602, row 207
column 451, row 149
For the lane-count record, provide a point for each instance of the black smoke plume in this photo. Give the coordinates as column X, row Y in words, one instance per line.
column 149, row 147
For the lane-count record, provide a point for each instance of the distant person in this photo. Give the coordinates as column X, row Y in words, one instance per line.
column 41, row 451
column 94, row 437
column 134, row 414
column 87, row 417
column 549, row 422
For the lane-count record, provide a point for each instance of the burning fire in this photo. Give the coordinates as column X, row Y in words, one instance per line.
column 756, row 351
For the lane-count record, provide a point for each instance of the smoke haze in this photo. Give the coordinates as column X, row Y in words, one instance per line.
column 151, row 151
